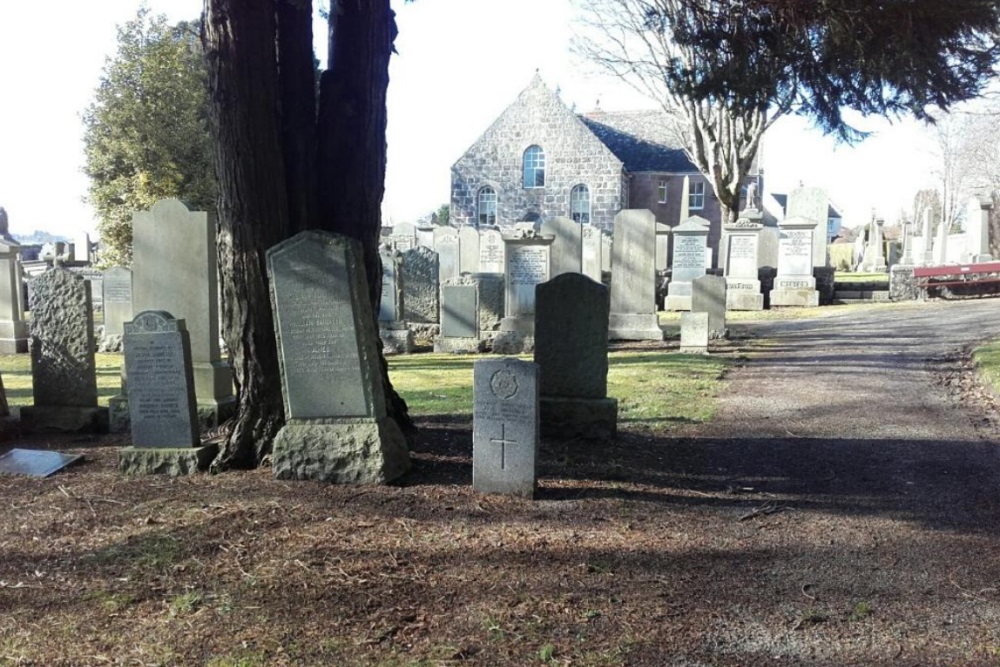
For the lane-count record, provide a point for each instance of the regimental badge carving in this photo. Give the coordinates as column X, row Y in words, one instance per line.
column 504, row 384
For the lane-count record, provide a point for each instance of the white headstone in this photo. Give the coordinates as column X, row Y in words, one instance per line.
column 505, row 426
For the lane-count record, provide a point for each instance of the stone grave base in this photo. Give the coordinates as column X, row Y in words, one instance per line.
column 213, row 413
column 794, row 297
column 69, row 419
column 634, row 326
column 119, row 420
column 584, row 418
column 513, row 342
column 743, row 294
column 342, row 451
column 678, row 302
column 13, row 337
column 902, row 286
column 424, row 331
column 172, row 461
column 396, row 340
column 522, row 324
column 452, row 345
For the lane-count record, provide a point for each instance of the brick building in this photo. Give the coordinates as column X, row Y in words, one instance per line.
column 539, row 159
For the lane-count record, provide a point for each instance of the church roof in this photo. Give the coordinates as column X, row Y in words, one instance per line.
column 640, row 139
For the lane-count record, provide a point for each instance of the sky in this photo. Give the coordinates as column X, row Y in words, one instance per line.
column 460, row 63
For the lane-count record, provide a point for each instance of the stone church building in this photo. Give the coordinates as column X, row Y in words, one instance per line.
column 539, row 159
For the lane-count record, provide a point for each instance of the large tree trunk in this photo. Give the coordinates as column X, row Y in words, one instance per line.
column 352, row 150
column 239, row 38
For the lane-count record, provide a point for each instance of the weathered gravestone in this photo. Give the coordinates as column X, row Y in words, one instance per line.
column 977, row 223
column 459, row 318
column 708, row 295
column 491, row 251
column 567, row 245
column 13, row 330
column 795, row 285
column 403, row 236
column 162, row 408
column 117, row 288
column 174, row 269
column 941, row 244
column 396, row 336
column 505, row 426
column 419, row 271
column 447, row 248
column 633, row 278
column 468, row 249
column 741, row 255
column 688, row 261
column 337, row 428
column 571, row 350
column 694, row 333
column 63, row 372
column 814, row 204
column 528, row 256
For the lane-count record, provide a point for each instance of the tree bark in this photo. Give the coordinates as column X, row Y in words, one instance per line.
column 352, row 149
column 239, row 37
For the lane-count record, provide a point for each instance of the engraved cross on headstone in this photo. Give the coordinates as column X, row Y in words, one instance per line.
column 503, row 442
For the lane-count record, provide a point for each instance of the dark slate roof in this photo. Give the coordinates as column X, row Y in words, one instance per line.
column 640, row 139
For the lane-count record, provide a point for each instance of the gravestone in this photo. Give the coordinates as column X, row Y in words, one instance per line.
column 927, row 258
column 13, row 330
column 814, row 204
column 740, row 252
column 117, row 285
column 592, row 247
column 403, row 237
column 528, row 257
column 567, row 245
column 606, row 243
column 978, row 229
column 491, row 251
column 571, row 350
column 447, row 248
column 81, row 248
column 873, row 260
column 795, row 284
column 174, row 270
column 687, row 261
column 337, row 428
column 419, row 271
column 694, row 333
column 459, row 319
column 468, row 249
column 163, row 412
column 708, row 295
column 907, row 257
column 505, row 426
column 396, row 336
column 633, row 278
column 662, row 246
column 941, row 244
column 63, row 372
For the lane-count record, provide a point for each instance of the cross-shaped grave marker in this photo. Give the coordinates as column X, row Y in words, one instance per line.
column 503, row 442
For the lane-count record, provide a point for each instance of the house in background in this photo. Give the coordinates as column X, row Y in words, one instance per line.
column 540, row 160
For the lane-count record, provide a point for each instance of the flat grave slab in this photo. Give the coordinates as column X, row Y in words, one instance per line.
column 35, row 463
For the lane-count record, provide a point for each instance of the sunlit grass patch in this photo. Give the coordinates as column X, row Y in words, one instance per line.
column 16, row 372
column 987, row 360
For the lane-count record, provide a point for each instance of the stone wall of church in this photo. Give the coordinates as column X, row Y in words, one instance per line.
column 573, row 156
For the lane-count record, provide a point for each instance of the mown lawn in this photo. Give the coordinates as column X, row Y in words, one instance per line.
column 987, row 360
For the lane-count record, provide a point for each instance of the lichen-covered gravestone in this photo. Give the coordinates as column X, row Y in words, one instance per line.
column 419, row 271
column 63, row 373
column 337, row 428
column 571, row 350
column 505, row 426
column 162, row 406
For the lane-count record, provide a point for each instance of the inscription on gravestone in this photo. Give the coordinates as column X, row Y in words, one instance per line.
column 742, row 256
column 796, row 248
column 689, row 253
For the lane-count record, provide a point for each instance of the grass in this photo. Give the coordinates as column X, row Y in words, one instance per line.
column 16, row 373
column 668, row 318
column 987, row 360
column 846, row 277
column 651, row 387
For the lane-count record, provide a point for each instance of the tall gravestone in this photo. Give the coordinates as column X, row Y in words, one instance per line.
column 741, row 255
column 162, row 406
column 396, row 336
column 688, row 261
column 419, row 271
column 812, row 203
column 447, row 248
column 117, row 286
column 505, row 426
column 633, row 278
column 403, row 237
column 63, row 371
column 13, row 330
column 567, row 245
column 927, row 257
column 941, row 244
column 337, row 428
column 491, row 251
column 978, row 229
column 591, row 252
column 708, row 295
column 874, row 253
column 528, row 264
column 174, row 269
column 907, row 257
column 468, row 248
column 571, row 350
column 795, row 284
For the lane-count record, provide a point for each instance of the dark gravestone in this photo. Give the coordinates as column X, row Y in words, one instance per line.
column 459, row 311
column 337, row 428
column 505, row 426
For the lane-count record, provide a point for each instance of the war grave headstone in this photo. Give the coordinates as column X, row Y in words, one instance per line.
column 814, row 204
column 174, row 270
column 592, row 247
column 571, row 350
column 633, row 278
column 708, row 295
column 491, row 251
column 567, row 245
column 447, row 248
column 528, row 257
column 795, row 284
column 978, row 229
column 740, row 251
column 337, row 428
column 63, row 371
column 396, row 336
column 505, row 427
column 13, row 329
column 694, row 333
column 688, row 261
column 419, row 271
column 163, row 413
column 468, row 249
